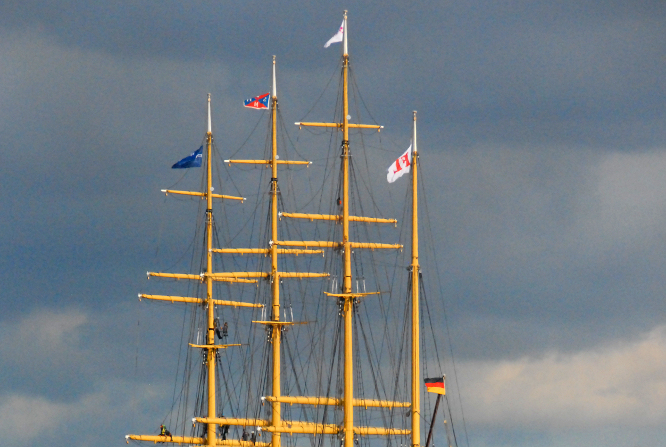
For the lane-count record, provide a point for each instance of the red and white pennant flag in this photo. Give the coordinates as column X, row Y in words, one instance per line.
column 401, row 166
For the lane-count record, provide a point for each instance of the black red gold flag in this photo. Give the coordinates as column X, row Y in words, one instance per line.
column 436, row 385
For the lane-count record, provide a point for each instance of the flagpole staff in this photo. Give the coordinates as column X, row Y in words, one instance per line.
column 432, row 423
column 434, row 386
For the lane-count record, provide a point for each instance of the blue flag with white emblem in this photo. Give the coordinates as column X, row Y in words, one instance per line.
column 191, row 161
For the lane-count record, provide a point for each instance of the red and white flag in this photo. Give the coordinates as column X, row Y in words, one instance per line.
column 337, row 37
column 400, row 166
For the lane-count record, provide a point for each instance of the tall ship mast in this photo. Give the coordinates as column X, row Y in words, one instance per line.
column 208, row 277
column 322, row 394
column 348, row 298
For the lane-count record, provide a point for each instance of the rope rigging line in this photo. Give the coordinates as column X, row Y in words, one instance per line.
column 287, row 347
column 188, row 250
column 223, row 203
column 181, row 400
column 322, row 92
column 327, row 174
column 235, row 401
column 283, row 128
column 422, row 190
column 219, row 165
column 261, row 116
column 368, row 185
column 335, row 344
column 356, row 91
column 375, row 370
column 402, row 353
column 448, row 437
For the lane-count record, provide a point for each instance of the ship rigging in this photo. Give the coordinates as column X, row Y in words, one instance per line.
column 347, row 370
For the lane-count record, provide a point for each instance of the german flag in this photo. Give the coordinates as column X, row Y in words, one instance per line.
column 435, row 385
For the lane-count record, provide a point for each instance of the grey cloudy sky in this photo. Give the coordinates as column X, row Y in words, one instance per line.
column 542, row 125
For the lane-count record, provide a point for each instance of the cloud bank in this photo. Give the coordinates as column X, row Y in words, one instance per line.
column 618, row 385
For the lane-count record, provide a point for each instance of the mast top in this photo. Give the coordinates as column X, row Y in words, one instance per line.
column 274, row 82
column 344, row 36
column 414, row 137
column 209, row 127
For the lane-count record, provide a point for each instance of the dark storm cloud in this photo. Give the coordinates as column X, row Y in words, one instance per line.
column 516, row 72
column 172, row 29
column 534, row 251
column 557, row 74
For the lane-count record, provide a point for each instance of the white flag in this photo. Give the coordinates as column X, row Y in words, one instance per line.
column 400, row 166
column 337, row 37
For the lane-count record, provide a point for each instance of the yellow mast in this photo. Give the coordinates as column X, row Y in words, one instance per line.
column 277, row 329
column 416, row 370
column 349, row 298
column 348, row 401
column 209, row 276
column 276, row 427
column 210, row 352
column 349, row 301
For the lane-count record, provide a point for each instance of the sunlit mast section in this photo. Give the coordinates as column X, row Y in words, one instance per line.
column 275, row 425
column 347, row 402
column 416, row 370
column 208, row 276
